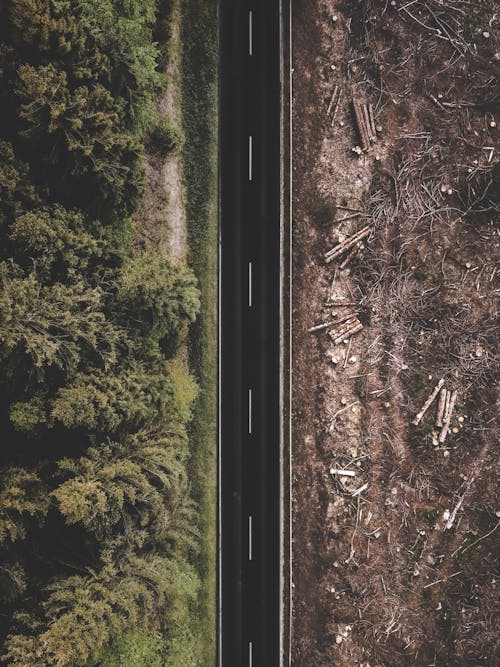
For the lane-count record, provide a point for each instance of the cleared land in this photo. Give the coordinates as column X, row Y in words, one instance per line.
column 395, row 560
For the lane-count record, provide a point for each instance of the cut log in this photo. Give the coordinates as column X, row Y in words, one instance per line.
column 441, row 407
column 360, row 490
column 345, row 318
column 340, row 304
column 447, row 417
column 340, row 331
column 342, row 473
column 347, row 244
column 427, row 403
column 332, row 100
column 350, row 255
column 373, row 129
column 335, row 108
column 365, row 143
column 348, row 334
column 366, row 118
column 320, row 327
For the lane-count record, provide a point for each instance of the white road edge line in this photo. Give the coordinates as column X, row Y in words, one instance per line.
column 250, row 654
column 250, row 33
column 249, row 284
column 250, row 148
column 250, row 537
column 250, row 412
column 290, row 335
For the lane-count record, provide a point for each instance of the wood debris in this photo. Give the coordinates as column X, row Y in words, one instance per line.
column 441, row 407
column 342, row 473
column 447, row 417
column 323, row 325
column 427, row 404
column 365, row 121
column 351, row 254
column 346, row 245
column 444, row 412
column 334, row 103
column 344, row 328
column 360, row 490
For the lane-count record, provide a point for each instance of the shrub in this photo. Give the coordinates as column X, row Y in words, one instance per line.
column 166, row 138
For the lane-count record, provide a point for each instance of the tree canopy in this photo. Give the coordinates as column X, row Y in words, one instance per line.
column 96, row 520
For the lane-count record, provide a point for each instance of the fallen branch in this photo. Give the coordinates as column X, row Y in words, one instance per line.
column 346, row 407
column 459, row 504
column 426, row 405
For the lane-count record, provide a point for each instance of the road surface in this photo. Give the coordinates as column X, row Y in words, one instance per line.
column 250, row 540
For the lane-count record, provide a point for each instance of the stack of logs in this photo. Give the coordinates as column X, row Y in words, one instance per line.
column 344, row 328
column 340, row 329
column 446, row 405
column 365, row 120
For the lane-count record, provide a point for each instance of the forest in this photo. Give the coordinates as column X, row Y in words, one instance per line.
column 97, row 523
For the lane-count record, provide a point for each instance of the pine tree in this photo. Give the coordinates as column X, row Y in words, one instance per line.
column 54, row 326
column 22, row 494
column 157, row 299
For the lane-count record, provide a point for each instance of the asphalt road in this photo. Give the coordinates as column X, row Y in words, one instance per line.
column 249, row 572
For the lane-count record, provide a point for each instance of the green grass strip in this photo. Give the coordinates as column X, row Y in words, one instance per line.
column 199, row 116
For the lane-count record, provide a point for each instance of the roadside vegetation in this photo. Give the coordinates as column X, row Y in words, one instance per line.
column 199, row 112
column 103, row 479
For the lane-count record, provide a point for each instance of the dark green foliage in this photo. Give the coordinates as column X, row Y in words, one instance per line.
column 135, row 649
column 22, row 494
column 166, row 138
column 55, row 242
column 80, row 135
column 109, row 403
column 96, row 521
column 85, row 612
column 52, row 326
column 157, row 299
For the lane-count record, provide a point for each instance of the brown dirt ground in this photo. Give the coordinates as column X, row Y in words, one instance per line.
column 405, row 573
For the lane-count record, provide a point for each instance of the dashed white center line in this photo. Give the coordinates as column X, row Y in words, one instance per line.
column 250, row 33
column 250, row 411
column 249, row 284
column 250, row 147
column 250, row 537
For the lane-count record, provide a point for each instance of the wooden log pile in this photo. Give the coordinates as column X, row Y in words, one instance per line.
column 445, row 408
column 345, row 328
column 365, row 121
column 333, row 105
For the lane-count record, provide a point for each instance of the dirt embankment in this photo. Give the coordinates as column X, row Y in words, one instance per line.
column 402, row 572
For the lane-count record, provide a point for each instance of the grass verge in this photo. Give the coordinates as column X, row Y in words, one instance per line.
column 199, row 117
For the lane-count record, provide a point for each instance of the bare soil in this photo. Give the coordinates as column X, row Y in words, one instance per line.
column 404, row 572
column 161, row 216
